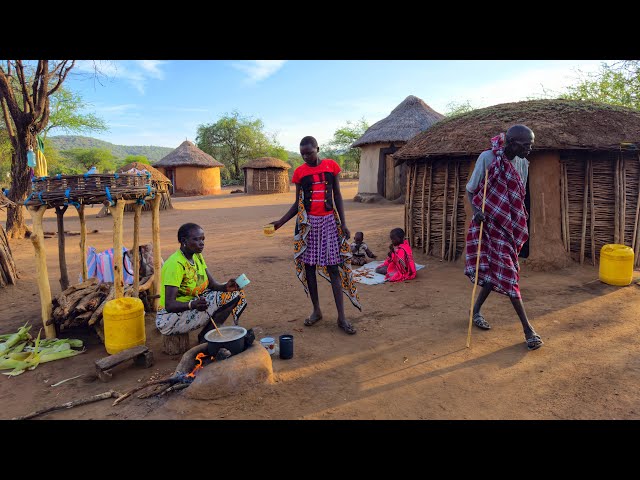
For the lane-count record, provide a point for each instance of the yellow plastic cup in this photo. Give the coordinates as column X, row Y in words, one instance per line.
column 269, row 230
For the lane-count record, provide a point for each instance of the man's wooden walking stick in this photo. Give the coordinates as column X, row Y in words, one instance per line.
column 475, row 284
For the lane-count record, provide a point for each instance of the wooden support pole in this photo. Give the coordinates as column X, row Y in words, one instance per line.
column 593, row 216
column 424, row 181
column 137, row 210
column 426, row 247
column 454, row 214
column 37, row 239
column 616, row 210
column 117, row 211
column 413, row 193
column 563, row 225
column 83, row 243
column 155, row 229
column 635, row 225
column 623, row 188
column 566, row 203
column 584, row 210
column 444, row 211
column 62, row 260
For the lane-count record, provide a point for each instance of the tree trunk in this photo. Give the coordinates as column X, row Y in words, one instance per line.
column 20, row 182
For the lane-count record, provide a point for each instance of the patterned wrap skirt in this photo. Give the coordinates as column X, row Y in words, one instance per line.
column 183, row 322
column 323, row 244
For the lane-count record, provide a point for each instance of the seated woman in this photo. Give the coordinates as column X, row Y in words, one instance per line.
column 399, row 265
column 189, row 295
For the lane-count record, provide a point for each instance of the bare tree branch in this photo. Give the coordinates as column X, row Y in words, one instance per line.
column 28, row 100
column 62, row 76
column 7, row 118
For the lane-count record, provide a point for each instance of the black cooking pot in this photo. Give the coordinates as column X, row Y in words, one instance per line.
column 233, row 339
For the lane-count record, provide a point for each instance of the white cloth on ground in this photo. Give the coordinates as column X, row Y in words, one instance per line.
column 373, row 278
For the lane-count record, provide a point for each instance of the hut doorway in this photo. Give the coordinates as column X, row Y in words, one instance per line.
column 389, row 176
column 171, row 175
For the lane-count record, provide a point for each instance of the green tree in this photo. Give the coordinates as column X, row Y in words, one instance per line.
column 340, row 145
column 616, row 83
column 458, row 108
column 82, row 159
column 134, row 158
column 25, row 91
column 234, row 139
column 65, row 115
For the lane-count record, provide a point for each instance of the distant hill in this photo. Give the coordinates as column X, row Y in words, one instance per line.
column 67, row 142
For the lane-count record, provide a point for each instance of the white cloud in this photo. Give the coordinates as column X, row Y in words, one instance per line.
column 137, row 72
column 117, row 108
column 520, row 86
column 258, row 70
column 152, row 67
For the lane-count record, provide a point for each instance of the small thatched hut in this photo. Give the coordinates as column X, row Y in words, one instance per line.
column 582, row 189
column 266, row 175
column 158, row 180
column 191, row 171
column 378, row 174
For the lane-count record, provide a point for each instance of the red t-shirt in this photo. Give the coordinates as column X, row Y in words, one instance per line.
column 317, row 189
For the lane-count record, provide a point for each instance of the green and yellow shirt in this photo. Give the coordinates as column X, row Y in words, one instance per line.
column 191, row 280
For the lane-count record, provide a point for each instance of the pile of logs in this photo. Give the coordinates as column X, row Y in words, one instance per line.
column 81, row 305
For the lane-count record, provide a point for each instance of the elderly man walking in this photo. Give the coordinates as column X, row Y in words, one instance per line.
column 505, row 223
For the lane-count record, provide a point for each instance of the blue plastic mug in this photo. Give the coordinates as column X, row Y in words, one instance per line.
column 242, row 281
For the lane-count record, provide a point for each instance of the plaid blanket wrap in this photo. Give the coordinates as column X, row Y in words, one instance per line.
column 505, row 228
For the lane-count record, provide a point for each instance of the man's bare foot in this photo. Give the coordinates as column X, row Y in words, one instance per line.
column 315, row 316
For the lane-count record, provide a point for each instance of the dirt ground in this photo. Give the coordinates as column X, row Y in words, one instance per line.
column 408, row 359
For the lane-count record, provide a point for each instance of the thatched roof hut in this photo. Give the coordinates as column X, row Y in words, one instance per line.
column 266, row 175
column 162, row 184
column 378, row 175
column 191, row 171
column 582, row 189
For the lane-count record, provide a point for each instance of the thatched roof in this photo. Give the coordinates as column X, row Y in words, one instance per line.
column 187, row 154
column 267, row 162
column 557, row 125
column 156, row 176
column 409, row 118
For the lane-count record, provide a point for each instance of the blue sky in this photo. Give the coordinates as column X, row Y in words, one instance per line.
column 162, row 102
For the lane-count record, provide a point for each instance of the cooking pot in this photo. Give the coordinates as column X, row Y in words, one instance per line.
column 233, row 339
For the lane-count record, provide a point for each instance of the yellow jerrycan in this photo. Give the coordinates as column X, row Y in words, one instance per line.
column 123, row 324
column 616, row 264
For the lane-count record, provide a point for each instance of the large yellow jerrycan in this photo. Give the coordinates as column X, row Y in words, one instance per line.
column 123, row 324
column 616, row 264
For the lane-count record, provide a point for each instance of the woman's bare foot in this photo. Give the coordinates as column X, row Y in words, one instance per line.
column 347, row 327
column 315, row 316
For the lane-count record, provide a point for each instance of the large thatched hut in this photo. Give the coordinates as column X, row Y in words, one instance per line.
column 191, row 171
column 582, row 189
column 266, row 175
column 158, row 180
column 378, row 174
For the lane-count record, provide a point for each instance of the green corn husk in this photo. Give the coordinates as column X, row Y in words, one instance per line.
column 19, row 355
column 15, row 338
column 50, row 357
column 16, row 349
column 11, row 364
column 52, row 342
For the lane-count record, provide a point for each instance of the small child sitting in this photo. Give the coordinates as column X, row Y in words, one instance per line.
column 359, row 249
column 399, row 265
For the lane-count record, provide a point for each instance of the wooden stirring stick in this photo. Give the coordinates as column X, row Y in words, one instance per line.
column 211, row 318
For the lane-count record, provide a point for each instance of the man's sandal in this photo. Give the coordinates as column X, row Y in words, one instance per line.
column 479, row 321
column 308, row 321
column 534, row 342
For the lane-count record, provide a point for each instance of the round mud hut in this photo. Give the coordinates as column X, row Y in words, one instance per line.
column 191, row 171
column 158, row 180
column 266, row 175
column 582, row 188
column 378, row 174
